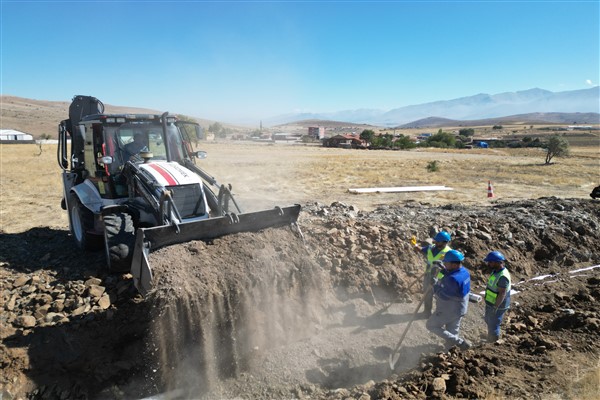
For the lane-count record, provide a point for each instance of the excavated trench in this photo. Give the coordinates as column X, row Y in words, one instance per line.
column 218, row 304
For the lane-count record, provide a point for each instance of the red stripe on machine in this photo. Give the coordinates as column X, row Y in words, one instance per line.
column 165, row 174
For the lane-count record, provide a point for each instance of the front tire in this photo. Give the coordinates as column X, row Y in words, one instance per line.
column 81, row 224
column 119, row 239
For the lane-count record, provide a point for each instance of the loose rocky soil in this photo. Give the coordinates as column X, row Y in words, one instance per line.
column 274, row 315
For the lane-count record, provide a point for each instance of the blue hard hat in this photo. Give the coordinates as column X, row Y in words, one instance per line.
column 454, row 256
column 442, row 236
column 494, row 256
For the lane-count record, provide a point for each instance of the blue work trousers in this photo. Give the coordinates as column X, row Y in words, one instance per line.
column 445, row 323
column 493, row 319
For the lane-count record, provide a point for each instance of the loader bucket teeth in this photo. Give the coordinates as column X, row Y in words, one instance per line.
column 151, row 239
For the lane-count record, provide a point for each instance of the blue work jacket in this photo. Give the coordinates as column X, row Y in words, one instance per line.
column 452, row 291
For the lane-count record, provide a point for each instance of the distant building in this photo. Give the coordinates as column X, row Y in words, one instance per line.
column 316, row 132
column 13, row 135
column 289, row 137
column 424, row 136
column 346, row 141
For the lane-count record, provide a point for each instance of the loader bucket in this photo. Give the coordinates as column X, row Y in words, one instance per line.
column 151, row 239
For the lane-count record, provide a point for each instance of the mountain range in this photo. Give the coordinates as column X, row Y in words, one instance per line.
column 532, row 106
column 477, row 107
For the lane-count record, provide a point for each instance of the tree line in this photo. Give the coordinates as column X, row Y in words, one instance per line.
column 555, row 146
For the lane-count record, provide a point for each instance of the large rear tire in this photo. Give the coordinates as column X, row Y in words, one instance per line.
column 119, row 239
column 82, row 223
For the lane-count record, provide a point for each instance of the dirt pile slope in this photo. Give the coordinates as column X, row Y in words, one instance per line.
column 268, row 316
column 370, row 252
column 217, row 304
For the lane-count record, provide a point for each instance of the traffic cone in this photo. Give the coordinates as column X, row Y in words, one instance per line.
column 490, row 190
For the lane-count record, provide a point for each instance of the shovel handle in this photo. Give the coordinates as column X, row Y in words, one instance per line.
column 397, row 299
column 419, row 279
column 411, row 321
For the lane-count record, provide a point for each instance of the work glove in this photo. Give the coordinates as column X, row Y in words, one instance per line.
column 435, row 270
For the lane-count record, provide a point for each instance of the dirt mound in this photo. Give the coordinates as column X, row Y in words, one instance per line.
column 266, row 315
column 371, row 252
column 217, row 304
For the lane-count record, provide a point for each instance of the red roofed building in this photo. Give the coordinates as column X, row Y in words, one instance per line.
column 347, row 141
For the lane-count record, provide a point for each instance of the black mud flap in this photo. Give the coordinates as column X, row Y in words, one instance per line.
column 151, row 239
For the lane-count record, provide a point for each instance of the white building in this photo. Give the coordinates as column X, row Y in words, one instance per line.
column 11, row 134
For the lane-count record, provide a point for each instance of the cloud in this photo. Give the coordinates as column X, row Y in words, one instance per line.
column 589, row 82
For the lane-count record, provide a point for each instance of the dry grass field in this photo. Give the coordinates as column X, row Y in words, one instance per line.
column 265, row 175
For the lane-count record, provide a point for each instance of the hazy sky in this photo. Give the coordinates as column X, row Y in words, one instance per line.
column 249, row 60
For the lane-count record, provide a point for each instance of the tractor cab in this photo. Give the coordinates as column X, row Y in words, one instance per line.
column 102, row 145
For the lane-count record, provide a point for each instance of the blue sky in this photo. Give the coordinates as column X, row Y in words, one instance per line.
column 238, row 61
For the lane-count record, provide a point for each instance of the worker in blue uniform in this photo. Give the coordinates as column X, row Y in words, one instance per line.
column 452, row 300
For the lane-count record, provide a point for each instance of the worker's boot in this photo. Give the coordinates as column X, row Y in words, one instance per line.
column 464, row 345
column 491, row 338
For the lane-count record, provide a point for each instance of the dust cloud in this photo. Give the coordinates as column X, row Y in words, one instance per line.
column 219, row 305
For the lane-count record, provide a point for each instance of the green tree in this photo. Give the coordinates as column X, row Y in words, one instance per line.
column 215, row 128
column 497, row 127
column 404, row 142
column 219, row 130
column 442, row 139
column 384, row 140
column 466, row 132
column 367, row 135
column 557, row 146
column 225, row 132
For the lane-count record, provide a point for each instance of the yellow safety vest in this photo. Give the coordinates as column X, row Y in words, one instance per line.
column 438, row 257
column 491, row 291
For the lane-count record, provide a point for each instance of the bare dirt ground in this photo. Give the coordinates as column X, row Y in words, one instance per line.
column 269, row 315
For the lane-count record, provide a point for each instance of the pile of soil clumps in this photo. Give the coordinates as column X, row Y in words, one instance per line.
column 225, row 309
column 217, row 304
column 371, row 252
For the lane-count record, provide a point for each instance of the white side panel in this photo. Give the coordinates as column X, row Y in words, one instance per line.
column 170, row 174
